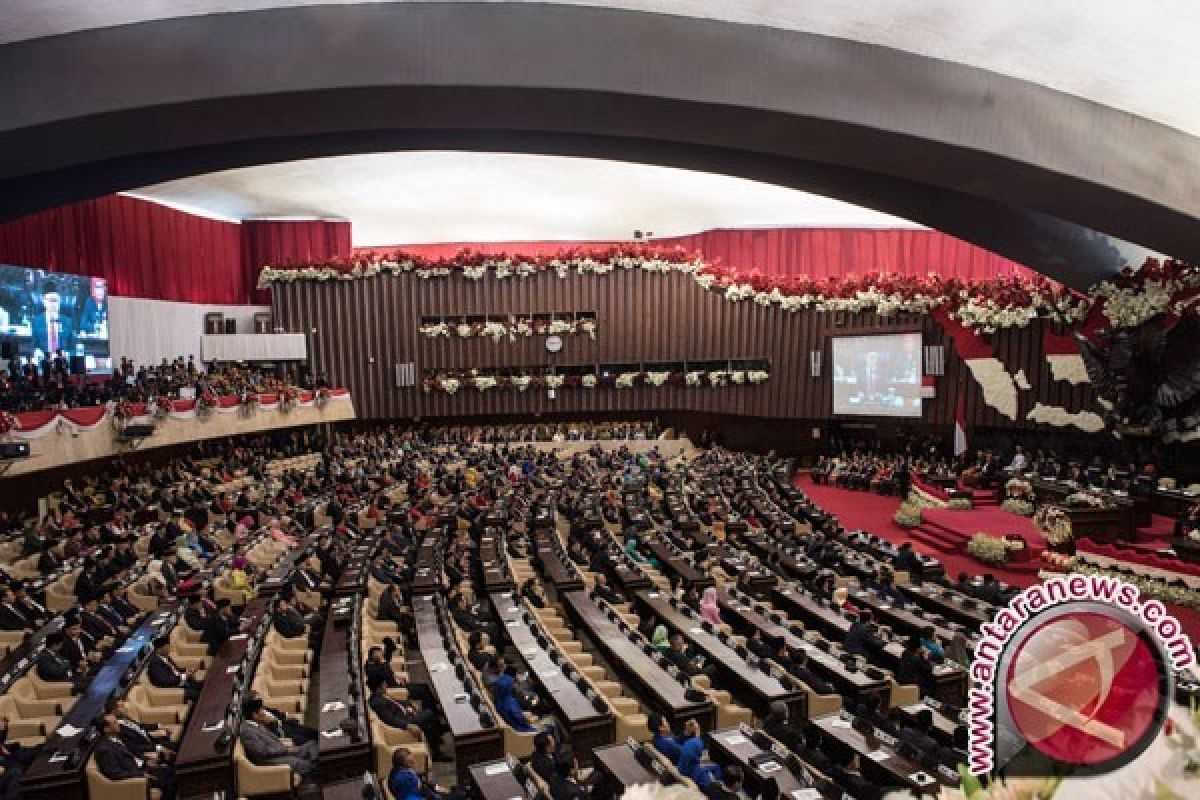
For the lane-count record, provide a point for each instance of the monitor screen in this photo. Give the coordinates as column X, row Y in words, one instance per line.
column 877, row 376
column 43, row 313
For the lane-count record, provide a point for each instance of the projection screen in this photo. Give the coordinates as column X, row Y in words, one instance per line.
column 877, row 376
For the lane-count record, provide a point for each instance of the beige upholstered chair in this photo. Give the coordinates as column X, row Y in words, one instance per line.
column 101, row 788
column 253, row 780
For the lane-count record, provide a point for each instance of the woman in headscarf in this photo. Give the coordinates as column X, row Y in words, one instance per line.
column 239, row 578
column 661, row 639
column 691, row 757
column 708, row 606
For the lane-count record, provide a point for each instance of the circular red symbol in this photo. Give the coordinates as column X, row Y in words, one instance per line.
column 1083, row 688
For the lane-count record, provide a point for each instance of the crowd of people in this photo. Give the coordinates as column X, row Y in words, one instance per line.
column 25, row 386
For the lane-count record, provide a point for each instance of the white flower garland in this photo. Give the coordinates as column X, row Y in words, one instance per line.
column 657, row 378
column 626, row 380
column 588, row 381
column 497, row 330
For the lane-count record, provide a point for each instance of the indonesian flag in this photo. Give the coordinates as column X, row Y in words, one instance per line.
column 960, row 424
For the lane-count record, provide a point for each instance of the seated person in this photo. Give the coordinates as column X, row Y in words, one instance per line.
column 391, row 608
column 404, row 714
column 289, row 623
column 508, row 704
column 286, row 727
column 729, row 787
column 846, row 773
column 663, row 738
column 862, row 640
column 264, row 746
column 920, row 733
column 144, row 739
column 12, row 618
column 52, row 665
column 604, row 591
column 688, row 662
column 691, row 761
column 166, row 674
column 405, row 784
column 117, row 762
column 800, row 668
column 479, row 650
column 914, row 666
column 544, row 758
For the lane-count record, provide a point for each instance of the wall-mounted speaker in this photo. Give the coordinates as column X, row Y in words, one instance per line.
column 406, row 375
column 935, row 359
column 814, row 363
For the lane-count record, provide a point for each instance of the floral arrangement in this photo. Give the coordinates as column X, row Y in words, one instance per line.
column 433, row 330
column 122, row 411
column 908, row 515
column 717, row 377
column 1018, row 497
column 983, row 306
column 988, row 549
column 287, row 399
column 656, row 378
column 497, row 330
column 485, row 382
column 8, row 423
column 322, row 397
column 959, row 504
column 757, row 376
column 1149, row 586
column 162, row 407
column 1055, row 524
column 1088, row 500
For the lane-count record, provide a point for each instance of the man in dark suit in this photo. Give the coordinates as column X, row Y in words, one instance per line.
column 117, row 762
column 391, row 608
column 265, row 748
column 52, row 331
column 166, row 674
column 97, row 625
column 862, row 640
column 289, row 623
column 52, row 666
column 679, row 655
column 402, row 714
column 220, row 626
column 11, row 616
column 729, row 787
column 144, row 739
column 78, row 646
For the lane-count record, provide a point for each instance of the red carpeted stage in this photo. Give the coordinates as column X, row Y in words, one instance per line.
column 945, row 533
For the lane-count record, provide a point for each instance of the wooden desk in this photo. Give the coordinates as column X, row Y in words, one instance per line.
column 621, row 769
column 752, row 687
column 586, row 727
column 356, row 570
column 52, row 774
column 642, row 672
column 473, row 742
column 279, row 575
column 892, row 770
column 855, row 684
column 557, row 568
column 730, row 745
column 495, row 781
column 204, row 765
column 494, row 561
column 427, row 567
column 674, row 564
column 340, row 695
column 950, row 604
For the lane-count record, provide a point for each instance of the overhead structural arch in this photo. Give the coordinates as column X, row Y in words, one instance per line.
column 1055, row 181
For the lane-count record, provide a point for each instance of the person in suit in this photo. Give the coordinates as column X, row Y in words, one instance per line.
column 914, row 666
column 97, row 625
column 52, row 665
column 565, row 782
column 31, row 607
column 286, row 727
column 544, row 760
column 52, row 330
column 11, row 616
column 166, row 674
column 405, row 784
column 94, row 317
column 117, row 762
column 50, row 560
column 391, row 608
column 145, row 739
column 220, row 626
column 265, row 748
column 289, row 623
column 687, row 662
column 800, row 668
column 846, row 773
column 403, row 714
column 78, row 646
column 862, row 639
column 690, row 762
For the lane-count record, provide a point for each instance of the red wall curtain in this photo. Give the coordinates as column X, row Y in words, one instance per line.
column 817, row 252
column 826, row 252
column 142, row 248
column 279, row 243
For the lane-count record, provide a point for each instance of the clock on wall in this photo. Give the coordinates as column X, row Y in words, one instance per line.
column 554, row 343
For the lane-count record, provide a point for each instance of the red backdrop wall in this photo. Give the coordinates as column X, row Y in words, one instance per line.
column 817, row 252
column 148, row 250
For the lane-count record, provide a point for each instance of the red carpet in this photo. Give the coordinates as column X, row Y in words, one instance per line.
column 873, row 513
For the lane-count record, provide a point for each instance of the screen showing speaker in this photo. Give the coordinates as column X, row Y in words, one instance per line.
column 55, row 314
column 878, row 375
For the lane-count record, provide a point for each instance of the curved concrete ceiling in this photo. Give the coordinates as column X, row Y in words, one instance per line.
column 924, row 110
column 406, row 198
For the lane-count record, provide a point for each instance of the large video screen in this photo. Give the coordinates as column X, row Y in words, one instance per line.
column 878, row 376
column 45, row 314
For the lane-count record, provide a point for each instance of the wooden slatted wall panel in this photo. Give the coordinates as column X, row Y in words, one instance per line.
column 365, row 327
